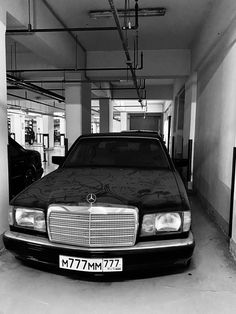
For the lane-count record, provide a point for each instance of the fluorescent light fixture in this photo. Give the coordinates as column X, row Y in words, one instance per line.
column 59, row 114
column 145, row 12
column 14, row 111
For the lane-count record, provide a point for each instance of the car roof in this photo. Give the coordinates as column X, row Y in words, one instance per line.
column 135, row 133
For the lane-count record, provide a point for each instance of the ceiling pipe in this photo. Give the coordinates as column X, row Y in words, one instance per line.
column 116, row 88
column 68, row 70
column 54, row 30
column 129, row 64
column 68, row 81
column 29, row 15
column 124, row 44
column 92, row 89
column 34, row 88
column 42, row 81
column 102, row 88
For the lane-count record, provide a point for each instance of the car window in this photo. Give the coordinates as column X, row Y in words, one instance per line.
column 118, row 152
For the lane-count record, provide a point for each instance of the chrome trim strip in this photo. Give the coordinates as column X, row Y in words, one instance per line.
column 160, row 244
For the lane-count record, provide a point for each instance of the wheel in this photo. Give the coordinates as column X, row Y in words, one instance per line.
column 29, row 177
column 31, row 141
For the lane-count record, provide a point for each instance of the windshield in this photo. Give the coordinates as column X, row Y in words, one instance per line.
column 117, row 152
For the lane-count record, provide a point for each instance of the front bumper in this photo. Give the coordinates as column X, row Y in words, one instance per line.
column 142, row 256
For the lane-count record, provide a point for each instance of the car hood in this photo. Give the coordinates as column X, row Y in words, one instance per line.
column 146, row 189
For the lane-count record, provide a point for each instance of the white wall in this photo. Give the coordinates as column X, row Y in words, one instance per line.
column 18, row 127
column 215, row 136
column 190, row 121
column 216, row 109
column 189, row 111
column 168, row 110
column 219, row 21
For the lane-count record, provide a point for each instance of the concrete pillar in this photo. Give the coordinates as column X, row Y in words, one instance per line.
column 4, row 190
column 73, row 112
column 106, row 115
column 78, row 111
column 123, row 121
column 48, row 128
column 18, row 127
column 116, row 126
column 39, row 127
column 86, row 108
column 111, row 116
column 62, row 130
column 39, row 123
column 62, row 125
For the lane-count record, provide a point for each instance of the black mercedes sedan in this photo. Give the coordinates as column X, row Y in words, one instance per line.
column 115, row 204
column 25, row 167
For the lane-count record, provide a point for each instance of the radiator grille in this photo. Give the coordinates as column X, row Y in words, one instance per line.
column 93, row 229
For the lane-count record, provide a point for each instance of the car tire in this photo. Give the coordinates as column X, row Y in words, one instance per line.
column 31, row 141
column 29, row 177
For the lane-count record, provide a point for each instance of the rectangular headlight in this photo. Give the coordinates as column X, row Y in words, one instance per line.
column 165, row 223
column 30, row 218
column 168, row 222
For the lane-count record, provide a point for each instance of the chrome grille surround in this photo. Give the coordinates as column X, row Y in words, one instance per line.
column 97, row 225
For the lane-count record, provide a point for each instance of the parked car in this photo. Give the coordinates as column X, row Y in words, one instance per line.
column 29, row 135
column 115, row 204
column 25, row 167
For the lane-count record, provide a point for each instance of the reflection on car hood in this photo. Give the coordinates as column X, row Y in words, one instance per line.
column 143, row 188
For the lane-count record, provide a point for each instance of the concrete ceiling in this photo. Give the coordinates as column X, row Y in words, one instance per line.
column 177, row 30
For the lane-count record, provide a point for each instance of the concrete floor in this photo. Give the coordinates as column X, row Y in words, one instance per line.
column 208, row 286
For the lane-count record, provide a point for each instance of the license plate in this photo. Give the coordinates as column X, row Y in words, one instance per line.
column 91, row 264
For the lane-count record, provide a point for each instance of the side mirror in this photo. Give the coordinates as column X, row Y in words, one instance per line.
column 58, row 160
column 180, row 163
